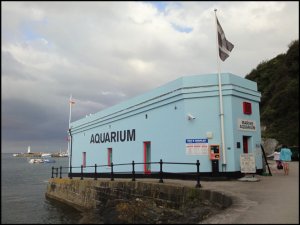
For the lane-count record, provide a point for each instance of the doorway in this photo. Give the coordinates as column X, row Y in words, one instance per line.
column 109, row 156
column 246, row 144
column 84, row 159
column 147, row 157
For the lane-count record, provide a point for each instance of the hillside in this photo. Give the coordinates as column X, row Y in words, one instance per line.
column 278, row 82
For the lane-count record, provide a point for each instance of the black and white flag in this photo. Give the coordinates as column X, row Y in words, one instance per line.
column 225, row 46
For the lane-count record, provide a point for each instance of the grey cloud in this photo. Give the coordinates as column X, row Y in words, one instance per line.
column 23, row 120
column 12, row 68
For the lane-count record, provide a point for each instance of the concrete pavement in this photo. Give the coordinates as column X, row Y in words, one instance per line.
column 271, row 200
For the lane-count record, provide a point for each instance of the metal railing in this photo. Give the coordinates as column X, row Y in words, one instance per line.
column 160, row 174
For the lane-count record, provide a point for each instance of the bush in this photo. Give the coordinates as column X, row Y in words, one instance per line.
column 295, row 153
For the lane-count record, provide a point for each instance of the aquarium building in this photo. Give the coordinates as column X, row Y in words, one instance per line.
column 177, row 122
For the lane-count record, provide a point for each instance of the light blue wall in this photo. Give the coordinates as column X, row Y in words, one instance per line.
column 167, row 126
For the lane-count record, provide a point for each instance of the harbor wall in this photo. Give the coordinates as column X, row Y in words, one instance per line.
column 89, row 194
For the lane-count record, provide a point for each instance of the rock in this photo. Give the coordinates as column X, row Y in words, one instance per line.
column 269, row 145
column 145, row 211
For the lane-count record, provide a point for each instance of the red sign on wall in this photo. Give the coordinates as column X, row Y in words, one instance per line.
column 247, row 108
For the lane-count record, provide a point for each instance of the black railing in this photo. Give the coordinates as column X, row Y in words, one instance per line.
column 133, row 174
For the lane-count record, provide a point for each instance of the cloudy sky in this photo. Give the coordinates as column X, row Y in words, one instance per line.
column 104, row 53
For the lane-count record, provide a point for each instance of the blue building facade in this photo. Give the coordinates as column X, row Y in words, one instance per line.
column 177, row 122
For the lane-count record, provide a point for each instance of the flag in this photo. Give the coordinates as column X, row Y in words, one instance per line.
column 225, row 46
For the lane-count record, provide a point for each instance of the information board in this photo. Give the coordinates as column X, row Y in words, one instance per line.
column 196, row 146
column 247, row 163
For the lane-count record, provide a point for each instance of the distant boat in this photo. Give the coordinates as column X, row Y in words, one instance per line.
column 63, row 154
column 49, row 160
column 36, row 161
column 16, row 154
column 40, row 160
column 46, row 155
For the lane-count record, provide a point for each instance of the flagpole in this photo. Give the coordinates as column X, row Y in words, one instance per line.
column 70, row 113
column 70, row 102
column 221, row 98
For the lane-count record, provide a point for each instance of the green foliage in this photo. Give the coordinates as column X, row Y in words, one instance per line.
column 278, row 81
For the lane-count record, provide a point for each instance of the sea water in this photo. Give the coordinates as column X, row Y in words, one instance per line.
column 23, row 201
column 23, row 188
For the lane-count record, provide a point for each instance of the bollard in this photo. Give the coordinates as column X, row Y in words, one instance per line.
column 160, row 172
column 133, row 172
column 198, row 185
column 52, row 172
column 60, row 171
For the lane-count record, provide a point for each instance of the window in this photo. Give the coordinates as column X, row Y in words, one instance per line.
column 247, row 109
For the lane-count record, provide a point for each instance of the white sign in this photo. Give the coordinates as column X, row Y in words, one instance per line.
column 196, row 146
column 247, row 163
column 246, row 125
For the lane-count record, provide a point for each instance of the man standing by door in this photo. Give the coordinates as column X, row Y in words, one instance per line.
column 285, row 157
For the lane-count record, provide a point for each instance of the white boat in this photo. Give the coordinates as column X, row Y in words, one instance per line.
column 63, row 154
column 36, row 161
column 49, row 160
column 46, row 155
column 16, row 154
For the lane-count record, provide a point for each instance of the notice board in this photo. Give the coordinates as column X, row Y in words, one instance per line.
column 247, row 163
column 196, row 146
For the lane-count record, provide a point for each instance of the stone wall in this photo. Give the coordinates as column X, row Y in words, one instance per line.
column 131, row 199
column 80, row 194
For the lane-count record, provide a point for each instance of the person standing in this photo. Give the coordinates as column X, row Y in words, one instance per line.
column 285, row 157
column 276, row 157
column 279, row 165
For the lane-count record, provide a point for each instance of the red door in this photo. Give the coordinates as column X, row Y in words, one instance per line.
column 147, row 157
column 245, row 144
column 84, row 159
